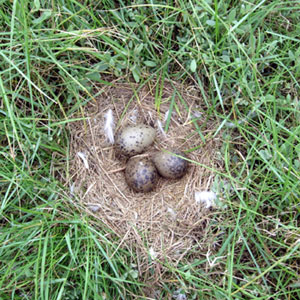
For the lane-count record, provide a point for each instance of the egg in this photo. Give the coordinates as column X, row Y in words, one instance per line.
column 134, row 140
column 141, row 174
column 169, row 165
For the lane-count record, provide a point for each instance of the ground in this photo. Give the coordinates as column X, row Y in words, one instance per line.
column 227, row 73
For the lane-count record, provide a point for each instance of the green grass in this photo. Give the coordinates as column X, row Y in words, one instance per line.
column 243, row 57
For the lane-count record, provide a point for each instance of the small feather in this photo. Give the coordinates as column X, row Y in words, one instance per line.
column 179, row 295
column 134, row 116
column 94, row 208
column 206, row 197
column 196, row 114
column 160, row 128
column 83, row 157
column 72, row 188
column 152, row 253
column 171, row 212
column 109, row 126
column 166, row 115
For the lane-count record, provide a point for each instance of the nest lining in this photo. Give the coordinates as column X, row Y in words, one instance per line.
column 167, row 220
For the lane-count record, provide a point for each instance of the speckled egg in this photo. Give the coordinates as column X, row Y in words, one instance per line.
column 133, row 140
column 141, row 174
column 170, row 165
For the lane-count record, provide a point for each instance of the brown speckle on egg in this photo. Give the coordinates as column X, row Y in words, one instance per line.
column 133, row 140
column 141, row 174
column 170, row 165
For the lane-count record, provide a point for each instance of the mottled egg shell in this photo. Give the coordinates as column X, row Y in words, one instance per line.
column 141, row 174
column 133, row 140
column 170, row 165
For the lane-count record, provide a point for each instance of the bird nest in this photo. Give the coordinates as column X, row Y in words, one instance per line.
column 169, row 221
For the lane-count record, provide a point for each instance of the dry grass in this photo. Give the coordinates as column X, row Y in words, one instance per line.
column 167, row 220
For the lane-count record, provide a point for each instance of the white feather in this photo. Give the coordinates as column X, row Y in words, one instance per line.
column 179, row 295
column 206, row 197
column 152, row 253
column 134, row 116
column 196, row 114
column 94, row 207
column 83, row 157
column 72, row 188
column 172, row 212
column 160, row 128
column 109, row 126
column 166, row 115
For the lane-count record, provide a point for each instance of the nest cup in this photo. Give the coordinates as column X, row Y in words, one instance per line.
column 166, row 220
